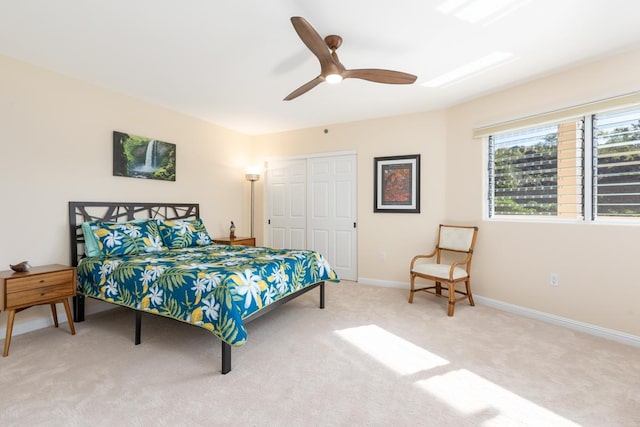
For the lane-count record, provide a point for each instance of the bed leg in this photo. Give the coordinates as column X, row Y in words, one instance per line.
column 322, row 295
column 226, row 358
column 138, row 326
column 78, row 308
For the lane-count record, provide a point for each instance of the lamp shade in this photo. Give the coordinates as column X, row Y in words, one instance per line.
column 252, row 173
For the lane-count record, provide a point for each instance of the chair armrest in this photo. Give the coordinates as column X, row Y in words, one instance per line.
column 464, row 262
column 417, row 257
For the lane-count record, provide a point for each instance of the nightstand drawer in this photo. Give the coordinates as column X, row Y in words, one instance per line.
column 39, row 281
column 40, row 294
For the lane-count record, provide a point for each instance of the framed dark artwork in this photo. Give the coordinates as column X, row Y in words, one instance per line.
column 396, row 184
column 139, row 157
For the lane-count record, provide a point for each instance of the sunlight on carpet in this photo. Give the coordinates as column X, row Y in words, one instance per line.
column 470, row 394
column 392, row 351
column 460, row 389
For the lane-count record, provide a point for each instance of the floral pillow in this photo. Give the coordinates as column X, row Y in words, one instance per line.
column 124, row 238
column 183, row 233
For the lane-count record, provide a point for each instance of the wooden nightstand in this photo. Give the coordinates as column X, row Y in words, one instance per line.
column 245, row 241
column 47, row 284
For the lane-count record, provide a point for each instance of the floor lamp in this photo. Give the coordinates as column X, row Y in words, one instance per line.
column 253, row 176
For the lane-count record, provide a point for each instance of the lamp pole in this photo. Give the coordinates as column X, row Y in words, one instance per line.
column 253, row 177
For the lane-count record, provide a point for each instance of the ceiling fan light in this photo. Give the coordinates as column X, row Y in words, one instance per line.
column 333, row 78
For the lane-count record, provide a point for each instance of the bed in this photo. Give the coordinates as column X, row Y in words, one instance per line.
column 158, row 258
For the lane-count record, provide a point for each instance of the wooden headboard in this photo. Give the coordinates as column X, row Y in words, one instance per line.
column 80, row 212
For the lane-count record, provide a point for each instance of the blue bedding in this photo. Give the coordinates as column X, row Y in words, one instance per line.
column 214, row 287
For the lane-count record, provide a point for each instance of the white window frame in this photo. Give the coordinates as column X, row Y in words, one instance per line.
column 588, row 173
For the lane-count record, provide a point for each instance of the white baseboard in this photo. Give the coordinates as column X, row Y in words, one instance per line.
column 383, row 283
column 588, row 328
column 610, row 334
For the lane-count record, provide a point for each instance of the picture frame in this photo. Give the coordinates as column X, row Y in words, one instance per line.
column 396, row 184
column 137, row 156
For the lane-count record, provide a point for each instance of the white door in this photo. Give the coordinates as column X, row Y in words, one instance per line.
column 312, row 205
column 286, row 204
column 331, row 211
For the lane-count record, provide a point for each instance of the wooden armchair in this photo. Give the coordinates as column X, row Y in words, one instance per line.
column 452, row 264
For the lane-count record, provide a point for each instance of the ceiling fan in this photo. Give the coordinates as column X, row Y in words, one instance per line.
column 331, row 69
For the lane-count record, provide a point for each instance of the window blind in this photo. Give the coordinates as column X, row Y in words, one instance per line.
column 616, row 154
column 538, row 171
column 563, row 114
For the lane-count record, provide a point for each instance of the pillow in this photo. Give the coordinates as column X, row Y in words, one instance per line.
column 91, row 247
column 126, row 238
column 183, row 233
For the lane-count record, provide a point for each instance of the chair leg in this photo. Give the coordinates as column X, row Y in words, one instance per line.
column 411, row 292
column 439, row 288
column 452, row 299
column 468, row 284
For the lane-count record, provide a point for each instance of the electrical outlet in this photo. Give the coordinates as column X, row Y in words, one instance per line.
column 382, row 256
column 553, row 279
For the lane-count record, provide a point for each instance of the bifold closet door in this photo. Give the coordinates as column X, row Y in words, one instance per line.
column 331, row 211
column 312, row 205
column 287, row 217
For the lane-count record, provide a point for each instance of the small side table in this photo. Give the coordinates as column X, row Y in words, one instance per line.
column 244, row 241
column 47, row 284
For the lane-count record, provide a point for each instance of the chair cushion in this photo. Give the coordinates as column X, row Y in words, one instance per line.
column 456, row 238
column 439, row 270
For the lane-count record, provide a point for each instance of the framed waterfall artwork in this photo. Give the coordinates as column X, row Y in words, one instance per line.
column 396, row 184
column 139, row 157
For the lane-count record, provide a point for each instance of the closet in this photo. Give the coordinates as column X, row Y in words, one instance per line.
column 311, row 204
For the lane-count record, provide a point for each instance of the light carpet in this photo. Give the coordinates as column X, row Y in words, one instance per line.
column 368, row 358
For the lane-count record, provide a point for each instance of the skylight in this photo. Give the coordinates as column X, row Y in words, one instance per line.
column 472, row 68
column 475, row 11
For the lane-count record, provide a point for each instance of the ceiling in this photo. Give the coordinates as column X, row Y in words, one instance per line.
column 232, row 62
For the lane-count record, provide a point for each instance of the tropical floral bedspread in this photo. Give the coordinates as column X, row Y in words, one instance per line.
column 213, row 287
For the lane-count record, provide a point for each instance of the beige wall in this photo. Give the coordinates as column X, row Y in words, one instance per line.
column 514, row 259
column 56, row 146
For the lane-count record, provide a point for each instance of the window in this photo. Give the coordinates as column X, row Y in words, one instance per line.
column 616, row 157
column 538, row 171
column 580, row 169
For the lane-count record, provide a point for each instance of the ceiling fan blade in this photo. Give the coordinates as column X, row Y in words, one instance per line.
column 304, row 88
column 380, row 76
column 312, row 39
